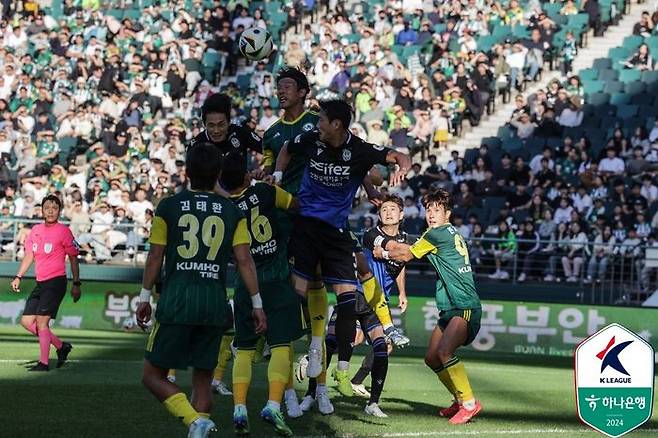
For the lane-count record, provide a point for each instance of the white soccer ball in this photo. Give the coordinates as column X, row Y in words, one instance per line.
column 256, row 43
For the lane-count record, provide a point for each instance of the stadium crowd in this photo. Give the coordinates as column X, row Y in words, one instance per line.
column 98, row 107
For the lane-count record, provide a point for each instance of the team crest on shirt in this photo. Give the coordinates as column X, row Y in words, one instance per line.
column 47, row 248
column 347, row 155
column 307, row 126
column 235, row 142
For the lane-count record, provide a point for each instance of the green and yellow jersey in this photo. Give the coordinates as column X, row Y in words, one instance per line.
column 274, row 139
column 199, row 230
column 259, row 204
column 447, row 252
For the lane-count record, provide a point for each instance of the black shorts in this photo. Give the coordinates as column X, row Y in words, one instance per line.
column 366, row 319
column 46, row 297
column 314, row 243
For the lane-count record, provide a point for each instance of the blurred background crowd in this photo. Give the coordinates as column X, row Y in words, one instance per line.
column 98, row 99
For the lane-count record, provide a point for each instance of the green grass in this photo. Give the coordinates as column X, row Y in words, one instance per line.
column 99, row 394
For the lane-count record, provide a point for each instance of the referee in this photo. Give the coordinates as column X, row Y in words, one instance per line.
column 47, row 245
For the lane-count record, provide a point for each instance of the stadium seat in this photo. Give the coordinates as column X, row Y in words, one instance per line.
column 608, row 75
column 618, row 54
column 612, row 87
column 589, row 74
column 634, row 88
column 644, row 99
column 591, row 87
column 602, row 63
column 627, row 111
column 650, row 77
column 512, row 144
column 632, row 42
column 620, row 99
column 492, row 142
column 629, row 75
column 598, row 99
column 504, row 133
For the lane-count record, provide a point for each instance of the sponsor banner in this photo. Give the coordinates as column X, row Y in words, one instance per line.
column 535, row 329
column 614, row 380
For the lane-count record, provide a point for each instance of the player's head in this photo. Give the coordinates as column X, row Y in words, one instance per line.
column 51, row 206
column 391, row 210
column 234, row 174
column 202, row 166
column 335, row 119
column 438, row 206
column 216, row 114
column 292, row 87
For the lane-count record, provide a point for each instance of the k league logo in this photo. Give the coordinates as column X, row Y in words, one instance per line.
column 614, row 379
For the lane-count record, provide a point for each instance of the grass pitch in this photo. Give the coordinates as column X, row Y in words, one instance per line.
column 98, row 394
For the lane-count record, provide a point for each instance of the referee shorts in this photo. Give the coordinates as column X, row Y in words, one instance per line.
column 46, row 297
column 315, row 242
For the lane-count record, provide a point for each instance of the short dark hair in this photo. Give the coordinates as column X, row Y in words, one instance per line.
column 296, row 75
column 52, row 198
column 337, row 109
column 394, row 199
column 203, row 165
column 234, row 169
column 217, row 103
column 439, row 197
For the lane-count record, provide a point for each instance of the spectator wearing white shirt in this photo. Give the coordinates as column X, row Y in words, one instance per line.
column 572, row 115
column 268, row 118
column 137, row 208
column 410, row 208
column 649, row 190
column 653, row 135
column 611, row 165
column 403, row 190
column 535, row 163
column 581, row 200
column 563, row 212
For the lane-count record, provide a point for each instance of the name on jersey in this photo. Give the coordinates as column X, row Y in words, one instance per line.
column 205, row 270
column 465, row 269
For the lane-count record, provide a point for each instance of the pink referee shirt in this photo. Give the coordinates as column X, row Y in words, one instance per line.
column 50, row 246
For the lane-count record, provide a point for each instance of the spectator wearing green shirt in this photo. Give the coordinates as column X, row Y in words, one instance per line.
column 47, row 151
column 21, row 100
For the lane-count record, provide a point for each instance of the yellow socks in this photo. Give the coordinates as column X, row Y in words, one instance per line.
column 242, row 376
column 317, row 309
column 224, row 357
column 279, row 372
column 445, row 380
column 291, row 358
column 180, row 407
column 459, row 379
column 377, row 300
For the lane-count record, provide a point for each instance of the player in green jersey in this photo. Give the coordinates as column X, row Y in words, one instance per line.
column 259, row 202
column 456, row 299
column 194, row 233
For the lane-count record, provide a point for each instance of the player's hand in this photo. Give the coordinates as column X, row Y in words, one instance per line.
column 402, row 303
column 375, row 198
column 269, row 179
column 76, row 293
column 143, row 315
column 260, row 321
column 258, row 174
column 378, row 252
column 16, row 284
column 397, row 177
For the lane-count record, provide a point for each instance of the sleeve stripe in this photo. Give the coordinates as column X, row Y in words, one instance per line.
column 422, row 247
column 158, row 231
column 241, row 236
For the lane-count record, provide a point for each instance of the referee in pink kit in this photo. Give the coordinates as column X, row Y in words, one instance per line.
column 48, row 245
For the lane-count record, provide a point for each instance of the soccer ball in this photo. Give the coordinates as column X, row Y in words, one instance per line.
column 256, row 43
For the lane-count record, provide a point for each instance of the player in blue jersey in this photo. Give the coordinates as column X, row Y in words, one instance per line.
column 336, row 163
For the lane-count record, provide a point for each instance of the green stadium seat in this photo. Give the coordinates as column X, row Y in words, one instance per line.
column 627, row 111
column 632, row 42
column 650, row 77
column 620, row 99
column 608, row 75
column 613, row 87
column 636, row 87
column 644, row 99
column 133, row 14
column 512, row 144
column 598, row 99
column 628, row 75
column 602, row 63
column 588, row 74
column 593, row 86
column 618, row 54
column 116, row 13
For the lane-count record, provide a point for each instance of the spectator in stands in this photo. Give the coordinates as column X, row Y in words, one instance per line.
column 524, row 127
column 644, row 27
column 572, row 115
column 504, row 250
column 641, row 60
column 604, row 248
column 576, row 251
column 529, row 247
column 611, row 165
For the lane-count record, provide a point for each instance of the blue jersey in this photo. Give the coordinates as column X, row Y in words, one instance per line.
column 385, row 271
column 333, row 175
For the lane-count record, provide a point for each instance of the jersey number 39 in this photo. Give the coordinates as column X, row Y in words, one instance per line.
column 212, row 235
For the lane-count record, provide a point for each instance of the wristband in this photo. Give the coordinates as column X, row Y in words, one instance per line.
column 278, row 176
column 144, row 295
column 385, row 255
column 256, row 301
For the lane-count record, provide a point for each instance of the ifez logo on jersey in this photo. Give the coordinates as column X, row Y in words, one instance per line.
column 614, row 379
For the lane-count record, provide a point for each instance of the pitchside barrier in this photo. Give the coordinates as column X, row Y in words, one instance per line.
column 507, row 327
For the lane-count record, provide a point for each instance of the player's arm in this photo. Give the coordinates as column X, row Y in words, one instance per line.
column 282, row 162
column 284, row 200
column 401, row 282
column 23, row 267
column 404, row 164
column 394, row 251
column 158, row 245
column 374, row 196
column 247, row 269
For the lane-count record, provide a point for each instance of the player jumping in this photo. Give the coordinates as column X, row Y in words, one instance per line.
column 48, row 245
column 259, row 202
column 336, row 165
column 197, row 231
column 456, row 299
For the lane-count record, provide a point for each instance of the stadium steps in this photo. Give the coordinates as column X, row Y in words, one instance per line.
column 598, row 47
